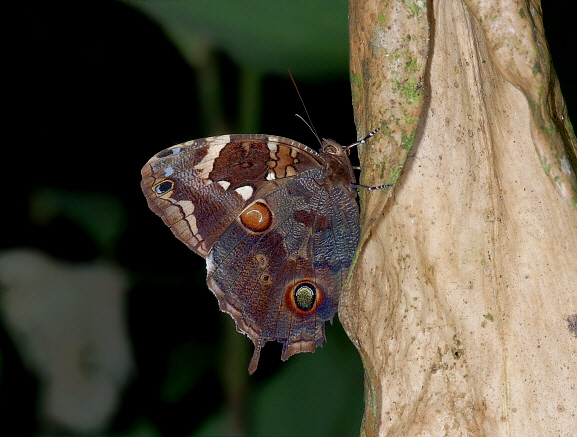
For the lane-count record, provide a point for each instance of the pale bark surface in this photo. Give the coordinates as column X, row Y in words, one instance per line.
column 462, row 302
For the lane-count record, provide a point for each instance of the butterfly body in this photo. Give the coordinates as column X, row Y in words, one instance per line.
column 277, row 222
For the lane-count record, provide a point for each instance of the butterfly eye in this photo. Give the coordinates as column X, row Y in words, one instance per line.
column 330, row 149
column 163, row 187
column 305, row 296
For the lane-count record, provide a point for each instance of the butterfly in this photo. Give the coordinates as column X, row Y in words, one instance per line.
column 277, row 222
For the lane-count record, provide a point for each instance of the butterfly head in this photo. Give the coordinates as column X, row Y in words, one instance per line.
column 332, row 148
column 337, row 160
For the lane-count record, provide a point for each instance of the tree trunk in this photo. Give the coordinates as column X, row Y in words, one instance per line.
column 462, row 301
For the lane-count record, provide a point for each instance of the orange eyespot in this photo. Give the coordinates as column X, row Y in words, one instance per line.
column 257, row 217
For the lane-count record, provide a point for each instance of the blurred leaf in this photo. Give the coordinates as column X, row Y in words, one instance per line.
column 269, row 36
column 185, row 366
column 214, row 425
column 309, row 395
column 313, row 396
column 141, row 428
column 101, row 215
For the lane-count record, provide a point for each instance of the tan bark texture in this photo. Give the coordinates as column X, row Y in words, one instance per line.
column 463, row 298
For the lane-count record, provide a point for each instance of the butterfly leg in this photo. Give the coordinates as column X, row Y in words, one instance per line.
column 362, row 141
column 366, row 187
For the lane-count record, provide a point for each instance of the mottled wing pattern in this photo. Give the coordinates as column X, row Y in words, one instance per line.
column 199, row 187
column 277, row 222
column 313, row 235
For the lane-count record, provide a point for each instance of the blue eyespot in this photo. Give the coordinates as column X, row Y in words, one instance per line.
column 164, row 187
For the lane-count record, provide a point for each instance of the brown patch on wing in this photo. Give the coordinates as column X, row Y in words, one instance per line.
column 240, row 162
column 196, row 210
column 288, row 161
column 305, row 217
column 284, row 160
column 178, row 215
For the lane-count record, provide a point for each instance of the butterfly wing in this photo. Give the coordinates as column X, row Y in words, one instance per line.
column 199, row 187
column 283, row 283
column 277, row 237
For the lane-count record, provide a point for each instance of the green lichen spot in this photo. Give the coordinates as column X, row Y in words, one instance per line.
column 411, row 66
column 414, row 8
column 395, row 173
column 382, row 167
column 382, row 17
column 549, row 130
column 546, row 166
column 488, row 316
column 386, row 130
column 522, row 13
column 356, row 79
column 409, row 89
column 570, row 127
column 407, row 141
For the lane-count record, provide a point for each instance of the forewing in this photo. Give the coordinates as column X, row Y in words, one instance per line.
column 200, row 187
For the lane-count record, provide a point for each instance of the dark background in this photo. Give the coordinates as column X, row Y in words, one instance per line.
column 93, row 90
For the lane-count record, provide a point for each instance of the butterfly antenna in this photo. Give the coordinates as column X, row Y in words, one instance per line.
column 311, row 125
